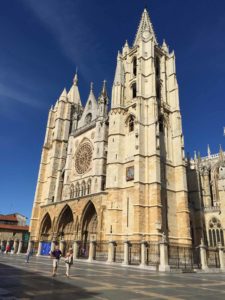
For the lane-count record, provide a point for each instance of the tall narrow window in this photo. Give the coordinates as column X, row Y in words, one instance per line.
column 77, row 190
column 89, row 187
column 135, row 66
column 134, row 90
column 161, row 126
column 157, row 67
column 158, row 92
column 71, row 191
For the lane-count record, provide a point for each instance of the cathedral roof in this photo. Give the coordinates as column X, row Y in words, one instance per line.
column 145, row 25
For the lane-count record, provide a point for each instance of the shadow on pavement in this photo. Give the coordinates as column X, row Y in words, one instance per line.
column 22, row 284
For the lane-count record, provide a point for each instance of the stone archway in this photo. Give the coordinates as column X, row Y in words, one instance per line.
column 46, row 228
column 89, row 223
column 65, row 228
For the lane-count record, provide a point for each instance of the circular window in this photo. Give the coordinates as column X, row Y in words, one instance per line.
column 83, row 158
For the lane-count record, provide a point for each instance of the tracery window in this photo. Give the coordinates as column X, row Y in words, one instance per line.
column 77, row 190
column 89, row 187
column 71, row 191
column 215, row 233
column 83, row 189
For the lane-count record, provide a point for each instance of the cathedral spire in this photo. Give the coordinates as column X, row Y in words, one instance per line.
column 63, row 96
column 165, row 47
column 74, row 95
column 145, row 25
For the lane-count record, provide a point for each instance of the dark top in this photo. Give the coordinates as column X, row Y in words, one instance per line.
column 56, row 254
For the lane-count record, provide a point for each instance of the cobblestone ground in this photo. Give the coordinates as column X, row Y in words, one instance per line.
column 19, row 280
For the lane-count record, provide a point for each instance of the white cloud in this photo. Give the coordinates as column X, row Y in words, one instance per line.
column 72, row 32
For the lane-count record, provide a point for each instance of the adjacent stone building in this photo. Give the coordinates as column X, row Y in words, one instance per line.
column 116, row 173
column 14, row 231
column 206, row 185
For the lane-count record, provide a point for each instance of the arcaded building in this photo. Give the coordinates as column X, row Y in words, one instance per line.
column 115, row 168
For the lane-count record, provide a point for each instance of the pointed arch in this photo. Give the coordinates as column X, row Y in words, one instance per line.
column 46, row 227
column 65, row 224
column 89, row 221
column 130, row 122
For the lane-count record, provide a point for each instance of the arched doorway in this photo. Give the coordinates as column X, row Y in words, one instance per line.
column 46, row 235
column 66, row 227
column 89, row 228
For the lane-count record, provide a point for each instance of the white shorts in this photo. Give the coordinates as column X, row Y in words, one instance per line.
column 55, row 262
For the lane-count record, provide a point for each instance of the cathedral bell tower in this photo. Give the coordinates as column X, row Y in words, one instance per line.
column 146, row 175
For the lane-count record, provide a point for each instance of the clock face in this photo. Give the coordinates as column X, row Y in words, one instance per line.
column 83, row 158
column 146, row 34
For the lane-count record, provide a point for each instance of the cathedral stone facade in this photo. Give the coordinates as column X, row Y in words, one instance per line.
column 117, row 172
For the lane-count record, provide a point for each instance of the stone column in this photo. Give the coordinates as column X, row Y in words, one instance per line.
column 30, row 246
column 15, row 246
column 62, row 246
column 53, row 245
column 20, row 247
column 91, row 251
column 221, row 257
column 163, row 256
column 203, row 257
column 75, row 249
column 39, row 248
column 126, row 253
column 111, row 252
column 143, row 253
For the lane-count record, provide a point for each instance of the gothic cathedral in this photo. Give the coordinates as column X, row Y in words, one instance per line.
column 117, row 172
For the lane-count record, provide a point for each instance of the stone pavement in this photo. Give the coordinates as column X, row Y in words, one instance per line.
column 19, row 280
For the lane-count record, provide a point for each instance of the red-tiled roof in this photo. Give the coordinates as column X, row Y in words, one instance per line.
column 14, row 227
column 8, row 218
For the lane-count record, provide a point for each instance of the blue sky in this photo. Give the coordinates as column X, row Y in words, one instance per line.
column 42, row 43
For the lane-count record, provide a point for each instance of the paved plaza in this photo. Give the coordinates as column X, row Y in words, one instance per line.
column 19, row 280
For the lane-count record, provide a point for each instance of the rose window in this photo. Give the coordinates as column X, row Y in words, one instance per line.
column 83, row 158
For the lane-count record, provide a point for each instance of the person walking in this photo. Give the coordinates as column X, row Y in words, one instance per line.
column 68, row 261
column 28, row 255
column 55, row 255
column 7, row 250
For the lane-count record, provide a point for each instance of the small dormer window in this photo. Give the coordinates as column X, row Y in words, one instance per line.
column 88, row 118
column 134, row 90
column 135, row 66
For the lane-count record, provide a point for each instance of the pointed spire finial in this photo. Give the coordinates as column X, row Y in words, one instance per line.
column 165, row 46
column 195, row 155
column 208, row 151
column 144, row 25
column 91, row 86
column 221, row 155
column 75, row 79
column 104, row 92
